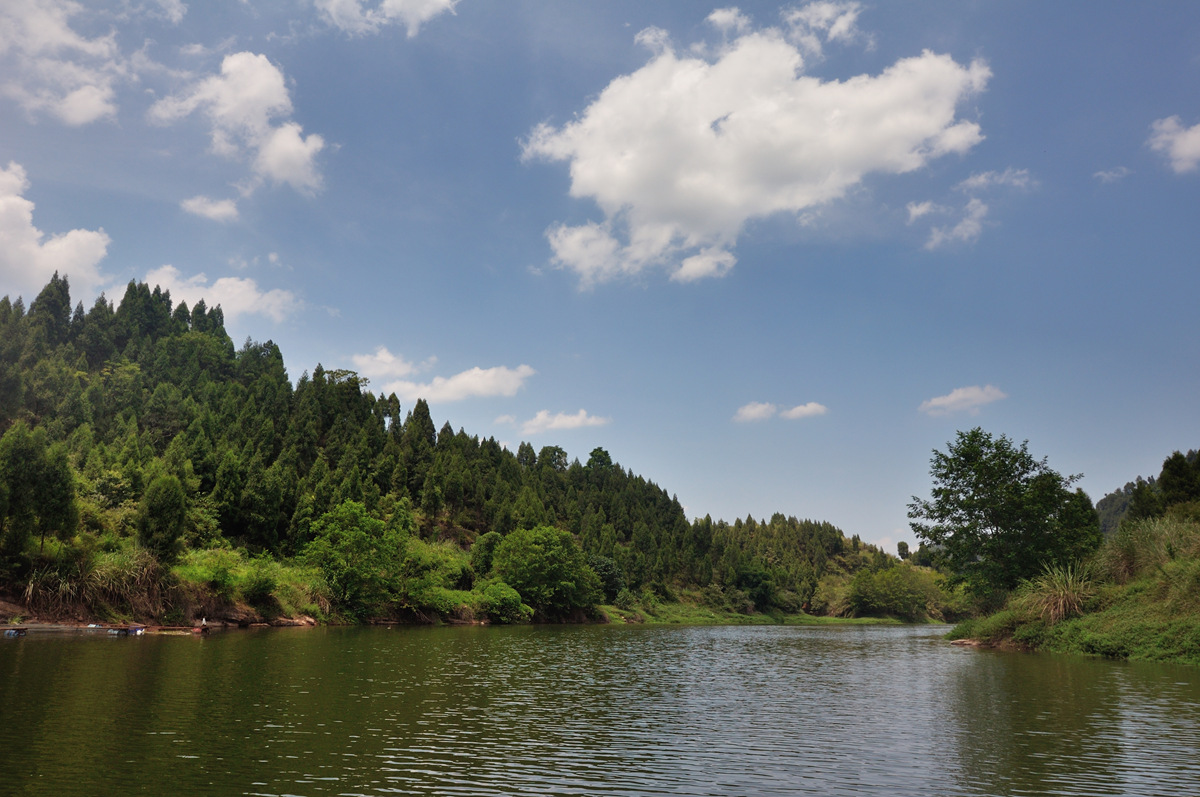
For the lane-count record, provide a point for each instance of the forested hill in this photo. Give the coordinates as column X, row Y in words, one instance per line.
column 98, row 406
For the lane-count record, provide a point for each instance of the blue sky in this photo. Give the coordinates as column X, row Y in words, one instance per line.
column 769, row 256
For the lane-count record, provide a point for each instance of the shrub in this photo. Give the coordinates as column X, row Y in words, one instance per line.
column 502, row 604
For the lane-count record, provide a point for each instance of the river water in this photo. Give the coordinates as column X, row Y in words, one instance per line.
column 592, row 710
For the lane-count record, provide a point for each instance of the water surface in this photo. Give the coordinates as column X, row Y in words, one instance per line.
column 601, row 710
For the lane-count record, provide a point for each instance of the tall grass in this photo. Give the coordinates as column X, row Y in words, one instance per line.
column 1137, row 549
column 128, row 581
column 1058, row 593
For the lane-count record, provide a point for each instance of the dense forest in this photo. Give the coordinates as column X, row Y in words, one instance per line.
column 149, row 467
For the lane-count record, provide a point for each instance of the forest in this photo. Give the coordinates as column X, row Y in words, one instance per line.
column 151, row 470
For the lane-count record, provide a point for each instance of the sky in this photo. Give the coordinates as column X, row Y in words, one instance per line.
column 769, row 256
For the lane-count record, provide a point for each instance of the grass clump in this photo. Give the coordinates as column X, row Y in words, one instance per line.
column 1061, row 591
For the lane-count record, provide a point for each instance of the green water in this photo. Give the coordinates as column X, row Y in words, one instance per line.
column 585, row 711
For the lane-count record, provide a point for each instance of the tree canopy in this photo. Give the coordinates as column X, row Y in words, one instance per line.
column 997, row 515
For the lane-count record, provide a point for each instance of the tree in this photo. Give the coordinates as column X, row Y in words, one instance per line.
column 997, row 515
column 358, row 555
column 37, row 489
column 548, row 568
column 162, row 516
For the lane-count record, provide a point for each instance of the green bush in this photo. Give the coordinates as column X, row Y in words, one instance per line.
column 502, row 604
column 546, row 566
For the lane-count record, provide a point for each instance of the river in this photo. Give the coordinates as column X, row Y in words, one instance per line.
column 586, row 710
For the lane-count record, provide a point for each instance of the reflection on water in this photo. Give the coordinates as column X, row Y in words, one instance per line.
column 586, row 711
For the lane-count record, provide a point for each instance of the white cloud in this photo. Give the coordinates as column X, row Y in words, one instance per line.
column 382, row 364
column 1010, row 177
column 682, row 153
column 1113, row 175
column 215, row 209
column 968, row 399
column 544, row 421
column 172, row 11
column 243, row 103
column 472, row 383
column 967, row 230
column 1180, row 144
column 237, row 296
column 762, row 411
column 28, row 258
column 755, row 411
column 49, row 68
column 359, row 17
column 918, row 209
column 713, row 262
column 809, row 410
column 830, row 21
column 729, row 20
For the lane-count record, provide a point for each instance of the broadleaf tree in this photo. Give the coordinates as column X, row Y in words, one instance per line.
column 997, row 515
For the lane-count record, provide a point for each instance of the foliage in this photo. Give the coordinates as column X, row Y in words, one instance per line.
column 548, row 569
column 162, row 517
column 1138, row 598
column 902, row 591
column 128, row 581
column 358, row 556
column 503, row 604
column 1060, row 591
column 102, row 406
column 997, row 515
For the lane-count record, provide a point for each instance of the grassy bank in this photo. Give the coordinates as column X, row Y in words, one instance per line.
column 1138, row 598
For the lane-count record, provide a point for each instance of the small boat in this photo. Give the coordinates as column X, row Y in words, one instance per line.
column 11, row 633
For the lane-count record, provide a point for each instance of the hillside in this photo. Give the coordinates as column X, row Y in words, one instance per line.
column 152, row 469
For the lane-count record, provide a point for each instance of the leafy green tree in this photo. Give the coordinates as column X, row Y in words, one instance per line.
column 37, row 486
column 358, row 555
column 1178, row 481
column 998, row 515
column 162, row 517
column 482, row 552
column 548, row 569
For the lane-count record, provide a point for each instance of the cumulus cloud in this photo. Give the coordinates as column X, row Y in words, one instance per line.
column 472, row 383
column 682, row 153
column 382, row 364
column 237, row 296
column 967, row 230
column 755, row 411
column 544, row 421
column 1180, row 144
column 762, row 411
column 248, row 106
column 809, row 410
column 50, row 69
column 1113, row 175
column 28, row 257
column 962, row 399
column 215, row 209
column 358, row 17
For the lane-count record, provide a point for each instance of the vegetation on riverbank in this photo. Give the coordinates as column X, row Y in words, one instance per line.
column 149, row 470
column 1137, row 597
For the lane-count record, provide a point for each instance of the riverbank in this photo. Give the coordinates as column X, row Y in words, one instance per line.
column 1137, row 599
column 692, row 614
column 244, row 616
